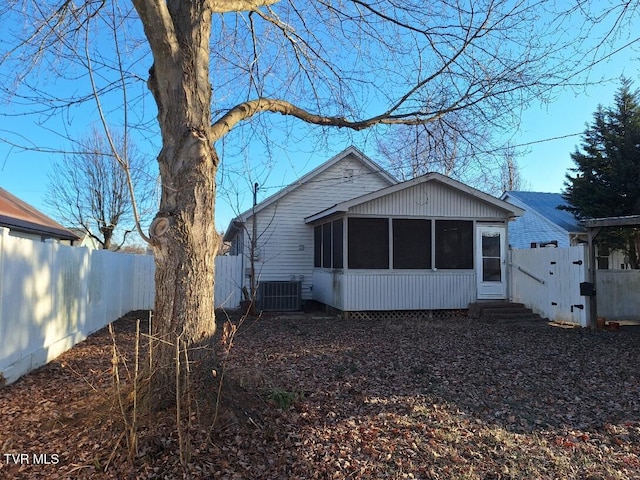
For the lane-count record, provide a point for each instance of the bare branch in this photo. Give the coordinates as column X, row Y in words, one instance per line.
column 227, row 6
column 248, row 109
column 123, row 162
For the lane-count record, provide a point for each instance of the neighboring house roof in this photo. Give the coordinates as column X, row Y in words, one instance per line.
column 543, row 221
column 236, row 224
column 342, row 207
column 546, row 204
column 19, row 216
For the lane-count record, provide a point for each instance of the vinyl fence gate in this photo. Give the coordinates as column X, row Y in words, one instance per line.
column 547, row 280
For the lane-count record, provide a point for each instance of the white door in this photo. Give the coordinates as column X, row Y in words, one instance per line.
column 491, row 262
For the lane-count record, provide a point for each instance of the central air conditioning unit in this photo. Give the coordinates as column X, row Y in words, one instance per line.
column 280, row 296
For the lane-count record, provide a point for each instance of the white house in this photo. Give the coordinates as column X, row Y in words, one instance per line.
column 351, row 237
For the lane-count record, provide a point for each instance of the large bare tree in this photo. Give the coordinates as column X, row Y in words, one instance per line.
column 223, row 66
column 89, row 189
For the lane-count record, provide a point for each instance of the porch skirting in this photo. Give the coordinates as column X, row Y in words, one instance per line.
column 389, row 290
column 378, row 315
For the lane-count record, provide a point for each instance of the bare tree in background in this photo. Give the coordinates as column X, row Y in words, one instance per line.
column 511, row 174
column 89, row 189
column 451, row 145
column 455, row 145
column 221, row 69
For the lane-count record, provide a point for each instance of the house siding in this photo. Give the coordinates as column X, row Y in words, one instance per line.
column 350, row 187
column 431, row 199
column 327, row 287
column 431, row 291
column 354, row 290
column 388, row 290
column 285, row 242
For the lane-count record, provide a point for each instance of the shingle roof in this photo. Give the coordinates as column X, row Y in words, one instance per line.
column 546, row 204
column 20, row 216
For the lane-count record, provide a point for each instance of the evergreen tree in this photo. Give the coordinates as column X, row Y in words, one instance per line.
column 606, row 179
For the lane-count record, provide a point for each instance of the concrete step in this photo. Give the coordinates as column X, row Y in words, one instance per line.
column 490, row 312
column 502, row 312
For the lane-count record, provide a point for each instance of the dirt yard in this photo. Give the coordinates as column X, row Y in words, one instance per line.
column 327, row 398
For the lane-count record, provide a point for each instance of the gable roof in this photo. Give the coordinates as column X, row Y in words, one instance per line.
column 546, row 204
column 18, row 215
column 342, row 207
column 237, row 222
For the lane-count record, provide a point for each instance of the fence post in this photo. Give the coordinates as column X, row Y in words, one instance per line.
column 591, row 301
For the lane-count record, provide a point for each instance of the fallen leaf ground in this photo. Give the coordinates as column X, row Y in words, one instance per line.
column 327, row 398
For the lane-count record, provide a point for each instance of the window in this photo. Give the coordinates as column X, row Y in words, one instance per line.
column 454, row 244
column 411, row 243
column 337, row 232
column 326, row 245
column 317, row 246
column 368, row 243
column 602, row 257
column 237, row 244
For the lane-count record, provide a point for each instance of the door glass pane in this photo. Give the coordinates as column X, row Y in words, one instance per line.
column 491, row 271
column 491, row 244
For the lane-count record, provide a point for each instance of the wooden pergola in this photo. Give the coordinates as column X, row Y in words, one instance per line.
column 594, row 226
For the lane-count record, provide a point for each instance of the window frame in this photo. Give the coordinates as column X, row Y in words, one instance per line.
column 317, row 246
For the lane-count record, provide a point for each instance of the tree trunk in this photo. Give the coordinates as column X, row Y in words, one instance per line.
column 107, row 234
column 184, row 245
column 183, row 232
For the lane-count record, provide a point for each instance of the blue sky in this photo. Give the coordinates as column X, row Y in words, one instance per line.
column 543, row 165
column 548, row 133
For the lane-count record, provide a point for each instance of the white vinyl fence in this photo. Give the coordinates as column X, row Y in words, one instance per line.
column 618, row 294
column 547, row 280
column 228, row 284
column 53, row 296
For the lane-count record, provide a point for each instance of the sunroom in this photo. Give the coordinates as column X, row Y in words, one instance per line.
column 431, row 243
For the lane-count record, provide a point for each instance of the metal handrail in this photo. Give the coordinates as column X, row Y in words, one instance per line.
column 529, row 274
